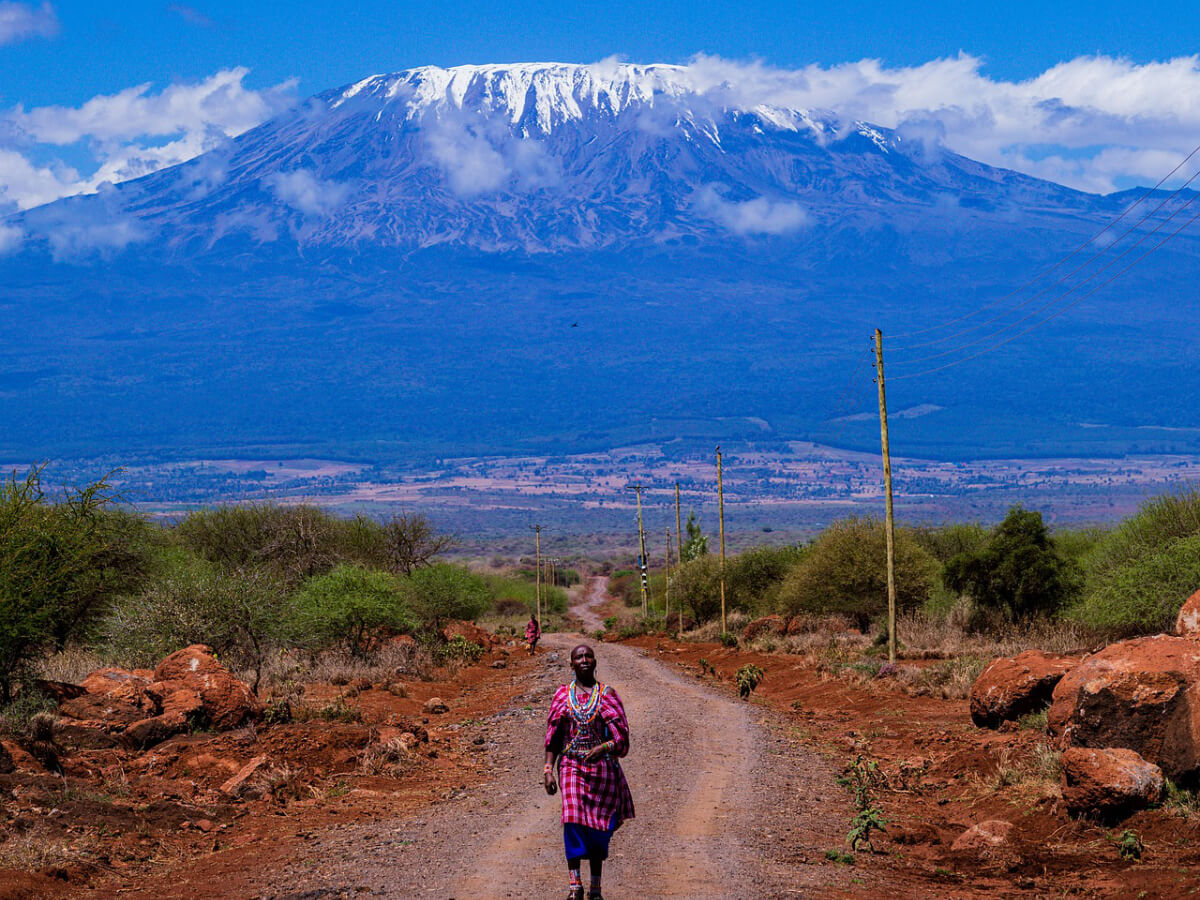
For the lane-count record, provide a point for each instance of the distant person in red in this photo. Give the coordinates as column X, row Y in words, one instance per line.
column 586, row 735
column 533, row 632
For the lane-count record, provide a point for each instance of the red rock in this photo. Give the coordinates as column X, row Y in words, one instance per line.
column 776, row 625
column 59, row 690
column 468, row 631
column 108, row 710
column 6, row 761
column 984, row 837
column 227, row 702
column 1012, row 686
column 103, row 681
column 436, row 706
column 233, row 786
column 1143, row 695
column 204, row 825
column 148, row 732
column 1097, row 780
column 1187, row 623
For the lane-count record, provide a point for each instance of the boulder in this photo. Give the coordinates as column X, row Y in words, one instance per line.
column 1107, row 781
column 984, row 838
column 775, row 625
column 226, row 701
column 59, row 691
column 436, row 706
column 1187, row 623
column 116, row 709
column 1012, row 686
column 155, row 730
column 468, row 631
column 104, row 681
column 1142, row 695
column 233, row 787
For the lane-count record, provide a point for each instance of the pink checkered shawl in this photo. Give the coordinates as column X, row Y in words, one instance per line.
column 593, row 794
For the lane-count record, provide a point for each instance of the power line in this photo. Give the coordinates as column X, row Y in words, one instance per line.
column 1058, row 264
column 1055, row 314
column 1083, row 265
column 1060, row 297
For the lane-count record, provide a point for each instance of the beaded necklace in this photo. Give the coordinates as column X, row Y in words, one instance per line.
column 583, row 712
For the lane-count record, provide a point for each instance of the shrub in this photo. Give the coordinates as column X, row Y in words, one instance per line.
column 747, row 678
column 948, row 541
column 1139, row 574
column 752, row 578
column 411, row 542
column 1144, row 596
column 845, row 571
column 442, row 591
column 242, row 615
column 697, row 585
column 1019, row 572
column 60, row 564
column 349, row 607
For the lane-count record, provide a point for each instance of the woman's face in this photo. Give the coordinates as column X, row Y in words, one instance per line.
column 583, row 662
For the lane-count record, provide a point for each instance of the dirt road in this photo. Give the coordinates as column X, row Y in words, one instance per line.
column 727, row 806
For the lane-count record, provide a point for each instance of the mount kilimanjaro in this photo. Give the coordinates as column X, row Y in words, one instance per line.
column 395, row 267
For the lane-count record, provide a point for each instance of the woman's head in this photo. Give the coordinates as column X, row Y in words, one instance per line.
column 583, row 663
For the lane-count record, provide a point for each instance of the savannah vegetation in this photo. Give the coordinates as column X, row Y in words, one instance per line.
column 85, row 581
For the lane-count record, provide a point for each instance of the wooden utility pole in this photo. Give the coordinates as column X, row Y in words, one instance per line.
column 721, row 515
column 667, row 580
column 537, row 537
column 889, row 523
column 678, row 528
column 642, row 554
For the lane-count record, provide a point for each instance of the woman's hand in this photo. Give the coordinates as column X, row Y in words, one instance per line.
column 597, row 752
column 550, row 782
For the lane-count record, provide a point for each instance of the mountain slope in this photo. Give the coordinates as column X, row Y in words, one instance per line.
column 506, row 257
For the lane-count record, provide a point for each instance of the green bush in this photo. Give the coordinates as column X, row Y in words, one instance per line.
column 1144, row 596
column 443, row 591
column 697, row 585
column 948, row 541
column 752, row 578
column 845, row 571
column 242, row 615
column 508, row 590
column 1139, row 574
column 1019, row 572
column 349, row 607
column 60, row 565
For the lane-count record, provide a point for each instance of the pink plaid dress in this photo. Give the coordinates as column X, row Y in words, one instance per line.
column 593, row 794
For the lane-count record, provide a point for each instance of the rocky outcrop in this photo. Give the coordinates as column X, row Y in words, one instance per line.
column 436, row 706
column 983, row 838
column 1012, row 686
column 468, row 631
column 1187, row 623
column 144, row 708
column 774, row 625
column 226, row 701
column 1142, row 695
column 1109, row 781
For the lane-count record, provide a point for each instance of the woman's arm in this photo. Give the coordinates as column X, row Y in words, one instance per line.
column 549, row 778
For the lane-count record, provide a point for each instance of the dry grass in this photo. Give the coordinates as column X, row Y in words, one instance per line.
column 71, row 665
column 1041, row 768
column 924, row 636
column 948, row 679
column 711, row 631
column 392, row 758
column 289, row 668
column 281, row 784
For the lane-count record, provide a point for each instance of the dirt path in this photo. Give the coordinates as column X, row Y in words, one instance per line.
column 727, row 806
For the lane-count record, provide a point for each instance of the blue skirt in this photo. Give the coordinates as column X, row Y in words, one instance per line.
column 580, row 841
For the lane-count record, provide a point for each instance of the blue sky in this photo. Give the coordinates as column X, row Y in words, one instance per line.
column 104, row 47
column 1100, row 96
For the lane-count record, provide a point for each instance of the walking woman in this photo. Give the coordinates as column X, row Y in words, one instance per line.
column 533, row 631
column 586, row 735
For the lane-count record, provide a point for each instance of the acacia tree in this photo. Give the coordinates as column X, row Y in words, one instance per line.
column 410, row 541
column 696, row 543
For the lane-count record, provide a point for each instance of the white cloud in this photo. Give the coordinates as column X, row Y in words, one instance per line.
column 10, row 238
column 759, row 215
column 78, row 231
column 19, row 21
column 1093, row 122
column 130, row 133
column 481, row 156
column 304, row 192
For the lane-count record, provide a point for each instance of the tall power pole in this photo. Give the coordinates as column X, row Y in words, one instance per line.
column 642, row 553
column 667, row 580
column 537, row 537
column 889, row 524
column 678, row 527
column 721, row 515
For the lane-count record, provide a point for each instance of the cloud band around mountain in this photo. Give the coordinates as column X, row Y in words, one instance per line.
column 1095, row 123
